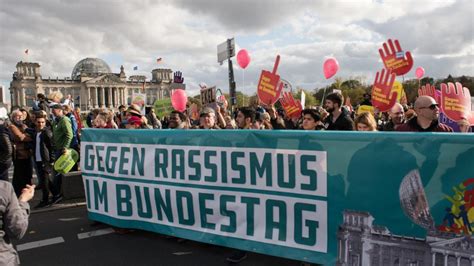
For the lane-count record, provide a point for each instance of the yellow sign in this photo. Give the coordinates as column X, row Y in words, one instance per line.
column 398, row 87
column 365, row 108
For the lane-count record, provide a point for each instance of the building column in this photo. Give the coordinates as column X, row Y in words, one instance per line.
column 22, row 97
column 102, row 97
column 114, row 99
column 346, row 250
column 124, row 96
column 109, row 97
column 119, row 96
column 96, row 97
column 91, row 98
column 339, row 250
column 15, row 96
column 88, row 101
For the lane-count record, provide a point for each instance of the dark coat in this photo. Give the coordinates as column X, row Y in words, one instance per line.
column 412, row 125
column 343, row 122
column 6, row 145
column 46, row 145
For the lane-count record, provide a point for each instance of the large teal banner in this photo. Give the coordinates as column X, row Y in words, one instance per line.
column 335, row 198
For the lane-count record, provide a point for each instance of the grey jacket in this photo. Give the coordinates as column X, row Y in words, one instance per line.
column 13, row 223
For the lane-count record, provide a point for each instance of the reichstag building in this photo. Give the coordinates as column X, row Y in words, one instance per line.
column 92, row 85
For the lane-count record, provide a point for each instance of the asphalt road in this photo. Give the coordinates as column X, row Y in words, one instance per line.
column 67, row 237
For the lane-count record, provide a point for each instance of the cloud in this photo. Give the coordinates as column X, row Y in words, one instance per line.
column 245, row 16
column 448, row 29
column 186, row 33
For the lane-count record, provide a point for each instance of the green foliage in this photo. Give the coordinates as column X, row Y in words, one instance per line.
column 310, row 99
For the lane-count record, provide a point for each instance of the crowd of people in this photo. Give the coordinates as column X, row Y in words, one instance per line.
column 54, row 125
column 34, row 139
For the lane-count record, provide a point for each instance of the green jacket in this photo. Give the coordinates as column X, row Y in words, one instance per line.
column 62, row 133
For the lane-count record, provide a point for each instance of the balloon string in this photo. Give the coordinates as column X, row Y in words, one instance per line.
column 243, row 85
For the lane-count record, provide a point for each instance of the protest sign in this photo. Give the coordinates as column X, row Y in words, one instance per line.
column 140, row 100
column 163, row 107
column 430, row 90
column 365, row 108
column 269, row 85
column 292, row 107
column 394, row 59
column 383, row 97
column 456, row 101
column 208, row 95
column 398, row 88
column 292, row 194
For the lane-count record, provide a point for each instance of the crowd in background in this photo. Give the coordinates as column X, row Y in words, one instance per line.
column 53, row 125
column 35, row 137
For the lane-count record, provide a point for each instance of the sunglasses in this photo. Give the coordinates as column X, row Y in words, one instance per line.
column 432, row 107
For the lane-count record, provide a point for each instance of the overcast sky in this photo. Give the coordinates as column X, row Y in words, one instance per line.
column 185, row 33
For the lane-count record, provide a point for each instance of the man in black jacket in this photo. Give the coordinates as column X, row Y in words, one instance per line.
column 6, row 151
column 44, row 156
column 339, row 118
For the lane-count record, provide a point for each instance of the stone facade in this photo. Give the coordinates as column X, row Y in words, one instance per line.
column 362, row 243
column 90, row 86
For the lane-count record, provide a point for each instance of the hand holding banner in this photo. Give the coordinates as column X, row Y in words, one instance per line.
column 394, row 60
column 456, row 102
column 267, row 90
column 292, row 108
column 382, row 96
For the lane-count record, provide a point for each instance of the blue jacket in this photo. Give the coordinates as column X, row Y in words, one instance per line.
column 74, row 141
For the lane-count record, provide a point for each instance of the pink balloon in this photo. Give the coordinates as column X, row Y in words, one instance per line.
column 179, row 100
column 419, row 72
column 330, row 67
column 243, row 58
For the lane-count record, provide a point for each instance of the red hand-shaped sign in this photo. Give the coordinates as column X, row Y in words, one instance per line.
column 291, row 106
column 382, row 98
column 268, row 89
column 394, row 59
column 456, row 102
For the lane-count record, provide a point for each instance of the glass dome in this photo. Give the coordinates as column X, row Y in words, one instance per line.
column 90, row 66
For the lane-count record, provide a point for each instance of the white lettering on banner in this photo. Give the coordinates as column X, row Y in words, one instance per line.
column 293, row 171
column 281, row 220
